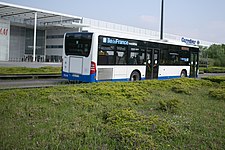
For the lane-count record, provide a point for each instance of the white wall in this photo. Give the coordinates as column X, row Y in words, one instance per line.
column 4, row 40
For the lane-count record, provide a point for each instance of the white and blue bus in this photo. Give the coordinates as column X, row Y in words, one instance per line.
column 106, row 56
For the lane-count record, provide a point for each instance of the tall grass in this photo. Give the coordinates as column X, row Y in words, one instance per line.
column 25, row 70
column 125, row 115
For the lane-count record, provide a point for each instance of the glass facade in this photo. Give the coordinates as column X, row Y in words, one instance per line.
column 21, row 44
column 29, row 42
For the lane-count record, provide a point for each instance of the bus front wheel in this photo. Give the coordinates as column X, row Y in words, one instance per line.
column 135, row 76
column 183, row 74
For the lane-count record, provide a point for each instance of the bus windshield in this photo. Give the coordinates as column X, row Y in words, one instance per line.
column 78, row 44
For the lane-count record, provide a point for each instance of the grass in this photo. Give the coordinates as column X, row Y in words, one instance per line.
column 25, row 70
column 124, row 115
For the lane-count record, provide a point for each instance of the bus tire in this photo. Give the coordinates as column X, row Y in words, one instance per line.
column 135, row 76
column 183, row 74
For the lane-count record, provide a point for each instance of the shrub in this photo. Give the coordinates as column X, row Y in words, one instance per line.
column 222, row 84
column 181, row 89
column 172, row 105
column 217, row 79
column 214, row 70
column 218, row 93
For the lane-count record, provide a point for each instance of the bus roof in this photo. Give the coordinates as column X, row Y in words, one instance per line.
column 135, row 37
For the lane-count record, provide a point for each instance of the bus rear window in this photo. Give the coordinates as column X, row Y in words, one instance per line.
column 78, row 44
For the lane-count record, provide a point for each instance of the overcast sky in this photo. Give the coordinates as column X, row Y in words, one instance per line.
column 198, row 19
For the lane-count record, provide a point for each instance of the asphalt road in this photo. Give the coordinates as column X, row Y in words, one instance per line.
column 30, row 83
column 210, row 74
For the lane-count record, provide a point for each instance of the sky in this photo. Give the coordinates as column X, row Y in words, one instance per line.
column 197, row 19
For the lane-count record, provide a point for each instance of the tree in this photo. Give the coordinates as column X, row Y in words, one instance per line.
column 217, row 54
column 203, row 56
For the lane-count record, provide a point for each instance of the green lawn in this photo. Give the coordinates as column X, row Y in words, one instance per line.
column 172, row 114
column 25, row 70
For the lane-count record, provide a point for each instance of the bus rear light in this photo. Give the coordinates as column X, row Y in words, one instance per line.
column 93, row 68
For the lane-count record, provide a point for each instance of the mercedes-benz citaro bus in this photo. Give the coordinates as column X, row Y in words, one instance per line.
column 108, row 56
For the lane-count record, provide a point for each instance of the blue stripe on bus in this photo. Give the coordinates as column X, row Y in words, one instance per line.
column 168, row 77
column 77, row 77
column 89, row 78
column 92, row 78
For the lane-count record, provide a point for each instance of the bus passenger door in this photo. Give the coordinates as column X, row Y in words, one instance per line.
column 149, row 66
column 194, row 65
column 155, row 63
column 152, row 63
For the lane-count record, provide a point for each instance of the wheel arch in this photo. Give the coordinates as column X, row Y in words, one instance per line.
column 184, row 70
column 138, row 71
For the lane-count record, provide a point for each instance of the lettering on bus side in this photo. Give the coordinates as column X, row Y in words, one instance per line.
column 108, row 40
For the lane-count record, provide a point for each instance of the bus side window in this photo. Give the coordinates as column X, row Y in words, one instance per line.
column 110, row 60
column 105, row 55
column 136, row 58
column 132, row 60
column 102, row 58
column 120, row 57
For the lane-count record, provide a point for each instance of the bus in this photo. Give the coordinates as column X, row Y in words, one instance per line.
column 109, row 56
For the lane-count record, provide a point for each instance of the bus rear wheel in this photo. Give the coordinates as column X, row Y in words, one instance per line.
column 135, row 76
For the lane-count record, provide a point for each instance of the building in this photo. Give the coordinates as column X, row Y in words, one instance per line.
column 29, row 34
